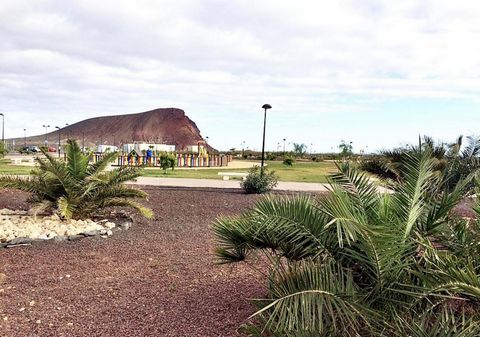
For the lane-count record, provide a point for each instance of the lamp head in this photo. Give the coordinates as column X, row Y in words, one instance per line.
column 266, row 106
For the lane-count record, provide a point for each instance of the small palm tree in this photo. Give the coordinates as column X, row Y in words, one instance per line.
column 75, row 187
column 357, row 262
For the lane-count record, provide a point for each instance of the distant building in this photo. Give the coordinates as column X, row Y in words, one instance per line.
column 139, row 147
column 106, row 148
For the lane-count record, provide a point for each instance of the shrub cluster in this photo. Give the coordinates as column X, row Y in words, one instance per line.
column 258, row 183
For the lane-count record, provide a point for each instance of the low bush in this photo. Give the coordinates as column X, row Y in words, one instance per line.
column 288, row 161
column 166, row 161
column 271, row 156
column 3, row 150
column 258, row 183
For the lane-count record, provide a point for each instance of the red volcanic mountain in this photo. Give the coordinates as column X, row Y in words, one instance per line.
column 169, row 126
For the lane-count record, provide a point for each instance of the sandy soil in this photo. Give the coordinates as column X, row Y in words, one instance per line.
column 156, row 279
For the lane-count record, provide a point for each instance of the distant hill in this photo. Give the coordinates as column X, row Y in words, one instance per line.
column 169, row 126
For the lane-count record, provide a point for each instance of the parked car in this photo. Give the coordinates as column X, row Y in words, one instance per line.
column 29, row 149
column 52, row 149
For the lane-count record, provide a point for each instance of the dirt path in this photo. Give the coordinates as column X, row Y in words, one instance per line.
column 156, row 279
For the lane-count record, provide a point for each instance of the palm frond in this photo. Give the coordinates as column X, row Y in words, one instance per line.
column 122, row 202
column 290, row 226
column 445, row 323
column 472, row 149
column 101, row 164
column 77, row 162
column 311, row 297
column 408, row 199
column 19, row 183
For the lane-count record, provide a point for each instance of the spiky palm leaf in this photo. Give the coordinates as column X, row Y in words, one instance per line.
column 389, row 246
column 76, row 188
column 308, row 296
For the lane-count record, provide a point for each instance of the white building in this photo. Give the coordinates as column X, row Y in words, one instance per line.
column 106, row 148
column 139, row 147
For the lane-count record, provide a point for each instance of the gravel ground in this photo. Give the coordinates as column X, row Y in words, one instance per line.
column 156, row 279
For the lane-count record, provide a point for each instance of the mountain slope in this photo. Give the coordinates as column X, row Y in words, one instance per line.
column 169, row 125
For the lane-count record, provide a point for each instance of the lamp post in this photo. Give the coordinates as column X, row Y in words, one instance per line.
column 24, row 137
column 265, row 107
column 58, row 140
column 3, row 127
column 46, row 131
column 284, row 139
column 68, row 132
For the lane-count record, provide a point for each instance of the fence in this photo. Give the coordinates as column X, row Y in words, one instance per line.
column 183, row 160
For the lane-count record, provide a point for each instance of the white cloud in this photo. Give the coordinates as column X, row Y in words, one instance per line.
column 71, row 60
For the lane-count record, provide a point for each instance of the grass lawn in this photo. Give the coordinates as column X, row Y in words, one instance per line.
column 7, row 168
column 314, row 172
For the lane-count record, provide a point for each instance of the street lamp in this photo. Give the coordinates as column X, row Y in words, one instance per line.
column 25, row 137
column 68, row 132
column 284, row 139
column 46, row 131
column 58, row 140
column 265, row 107
column 3, row 127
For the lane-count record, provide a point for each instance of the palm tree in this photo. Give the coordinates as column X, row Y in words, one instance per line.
column 357, row 262
column 75, row 188
column 449, row 158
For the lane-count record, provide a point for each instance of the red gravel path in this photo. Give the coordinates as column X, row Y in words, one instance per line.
column 156, row 279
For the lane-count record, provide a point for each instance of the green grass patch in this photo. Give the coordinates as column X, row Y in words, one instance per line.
column 7, row 168
column 312, row 172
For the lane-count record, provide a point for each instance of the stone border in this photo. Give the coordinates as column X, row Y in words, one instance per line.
column 104, row 233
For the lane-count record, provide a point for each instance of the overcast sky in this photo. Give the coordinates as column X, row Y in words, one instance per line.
column 376, row 73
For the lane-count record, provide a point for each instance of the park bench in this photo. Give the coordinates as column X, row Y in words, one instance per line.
column 20, row 160
column 16, row 161
column 227, row 175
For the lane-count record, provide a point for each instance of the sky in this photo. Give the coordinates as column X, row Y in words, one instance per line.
column 375, row 73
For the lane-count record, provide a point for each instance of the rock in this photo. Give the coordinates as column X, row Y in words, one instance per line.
column 17, row 245
column 3, row 277
column 109, row 225
column 109, row 233
column 59, row 238
column 126, row 225
column 102, row 231
column 74, row 237
column 44, row 237
column 90, row 233
column 20, row 241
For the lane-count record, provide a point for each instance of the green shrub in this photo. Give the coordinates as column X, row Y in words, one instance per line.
column 3, row 150
column 256, row 183
column 271, row 156
column 76, row 188
column 166, row 161
column 288, row 161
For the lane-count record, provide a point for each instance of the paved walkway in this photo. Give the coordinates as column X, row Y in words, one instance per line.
column 212, row 183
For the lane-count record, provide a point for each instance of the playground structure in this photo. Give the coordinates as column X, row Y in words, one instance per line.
column 182, row 160
column 149, row 154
